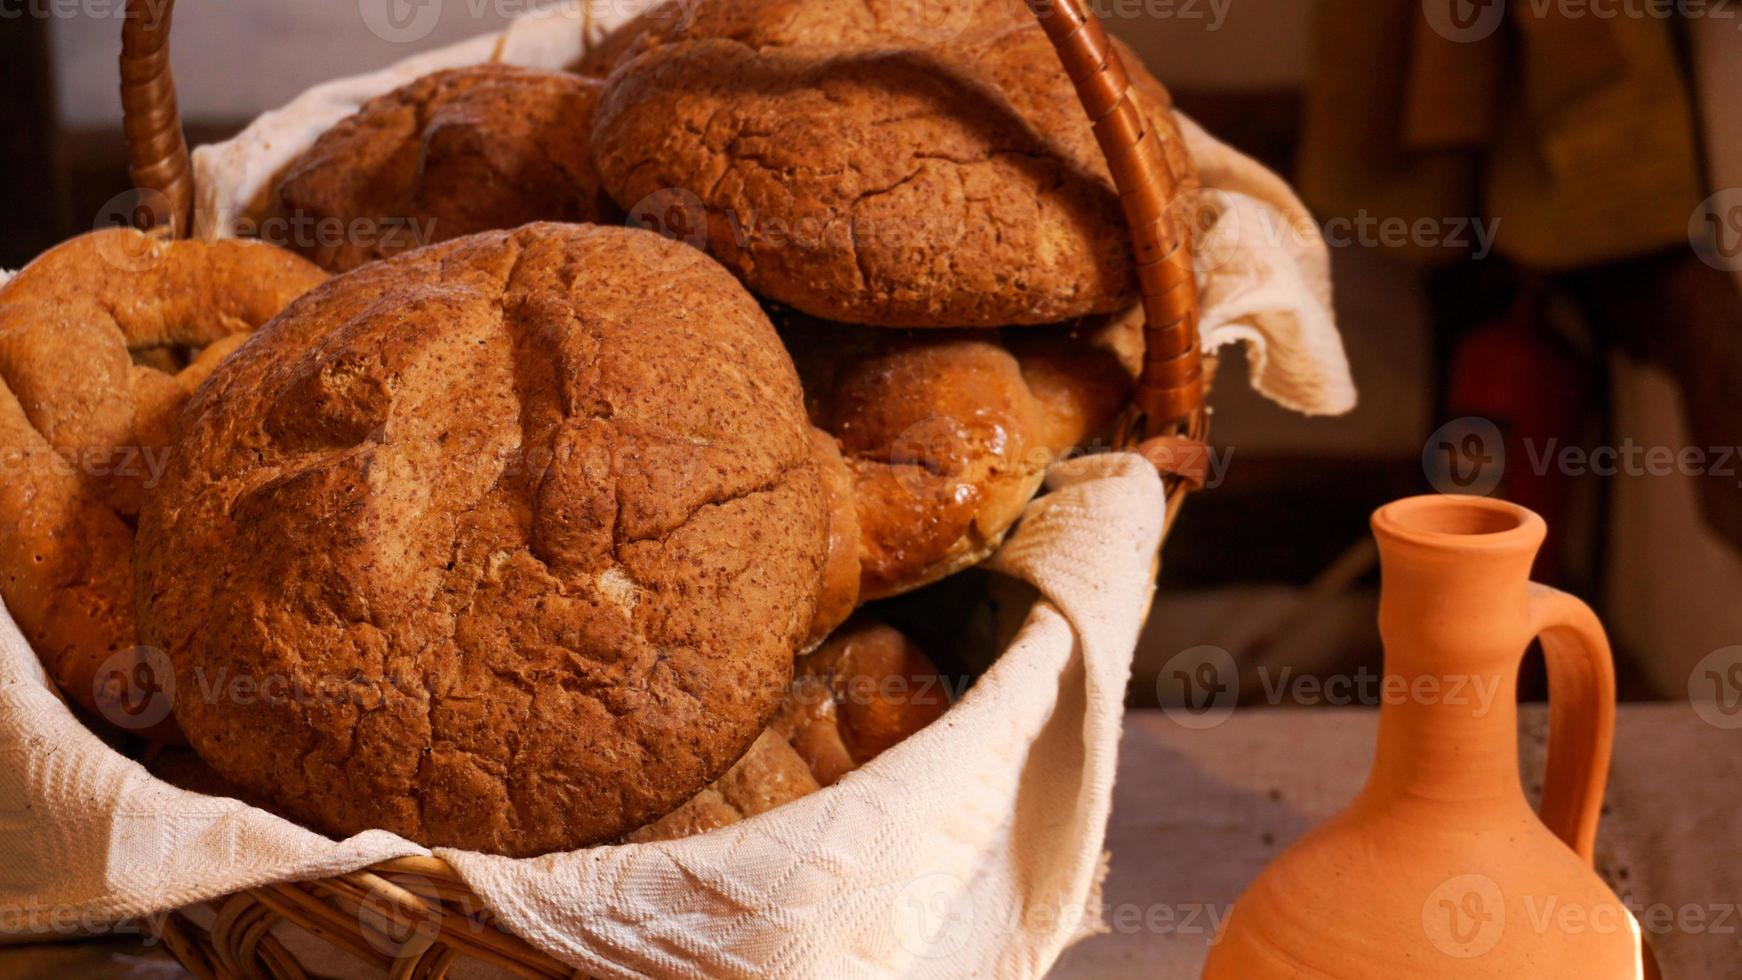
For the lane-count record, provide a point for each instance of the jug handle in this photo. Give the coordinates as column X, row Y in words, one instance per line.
column 1581, row 727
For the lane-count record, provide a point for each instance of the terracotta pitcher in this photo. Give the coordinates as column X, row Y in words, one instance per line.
column 1440, row 868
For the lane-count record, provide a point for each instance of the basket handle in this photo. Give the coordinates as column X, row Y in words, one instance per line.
column 1170, row 390
column 157, row 152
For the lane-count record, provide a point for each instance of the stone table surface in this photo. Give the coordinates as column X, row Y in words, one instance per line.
column 1199, row 811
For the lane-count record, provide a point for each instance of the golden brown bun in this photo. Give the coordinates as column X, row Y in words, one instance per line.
column 86, row 421
column 852, row 163
column 452, row 153
column 770, row 774
column 947, row 434
column 515, row 536
column 862, row 692
column 840, row 590
column 857, row 696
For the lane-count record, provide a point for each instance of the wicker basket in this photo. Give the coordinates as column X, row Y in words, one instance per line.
column 414, row 917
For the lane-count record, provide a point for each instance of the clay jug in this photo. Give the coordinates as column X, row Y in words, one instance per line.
column 1440, row 868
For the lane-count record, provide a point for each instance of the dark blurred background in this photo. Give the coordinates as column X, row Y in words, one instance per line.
column 1535, row 213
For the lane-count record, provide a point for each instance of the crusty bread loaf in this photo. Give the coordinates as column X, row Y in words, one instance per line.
column 856, row 161
column 102, row 340
column 452, row 153
column 506, row 543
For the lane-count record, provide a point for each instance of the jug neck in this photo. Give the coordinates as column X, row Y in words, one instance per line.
column 1454, row 619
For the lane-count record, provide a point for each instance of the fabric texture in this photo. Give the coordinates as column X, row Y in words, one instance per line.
column 973, row 848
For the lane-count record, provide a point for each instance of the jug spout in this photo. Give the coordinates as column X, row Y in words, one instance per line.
column 1454, row 576
column 1455, row 621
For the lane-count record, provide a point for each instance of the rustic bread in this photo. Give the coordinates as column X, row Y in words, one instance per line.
column 947, row 434
column 857, row 696
column 102, row 340
column 857, row 164
column 506, row 543
column 452, row 153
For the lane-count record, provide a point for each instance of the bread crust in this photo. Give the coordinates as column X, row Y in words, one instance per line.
column 525, row 528
column 451, row 153
column 947, row 434
column 860, row 169
column 857, row 696
column 86, row 420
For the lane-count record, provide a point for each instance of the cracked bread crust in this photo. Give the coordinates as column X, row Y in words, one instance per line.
column 504, row 544
column 864, row 173
column 452, row 153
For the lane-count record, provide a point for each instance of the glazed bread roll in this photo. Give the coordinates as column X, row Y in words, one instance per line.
column 504, row 544
column 946, row 435
column 857, row 696
column 452, row 153
column 102, row 340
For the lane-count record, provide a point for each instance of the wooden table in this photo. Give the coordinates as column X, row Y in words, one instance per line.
column 1197, row 813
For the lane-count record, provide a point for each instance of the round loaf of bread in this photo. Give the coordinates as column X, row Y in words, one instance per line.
column 504, row 544
column 853, row 161
column 452, row 153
